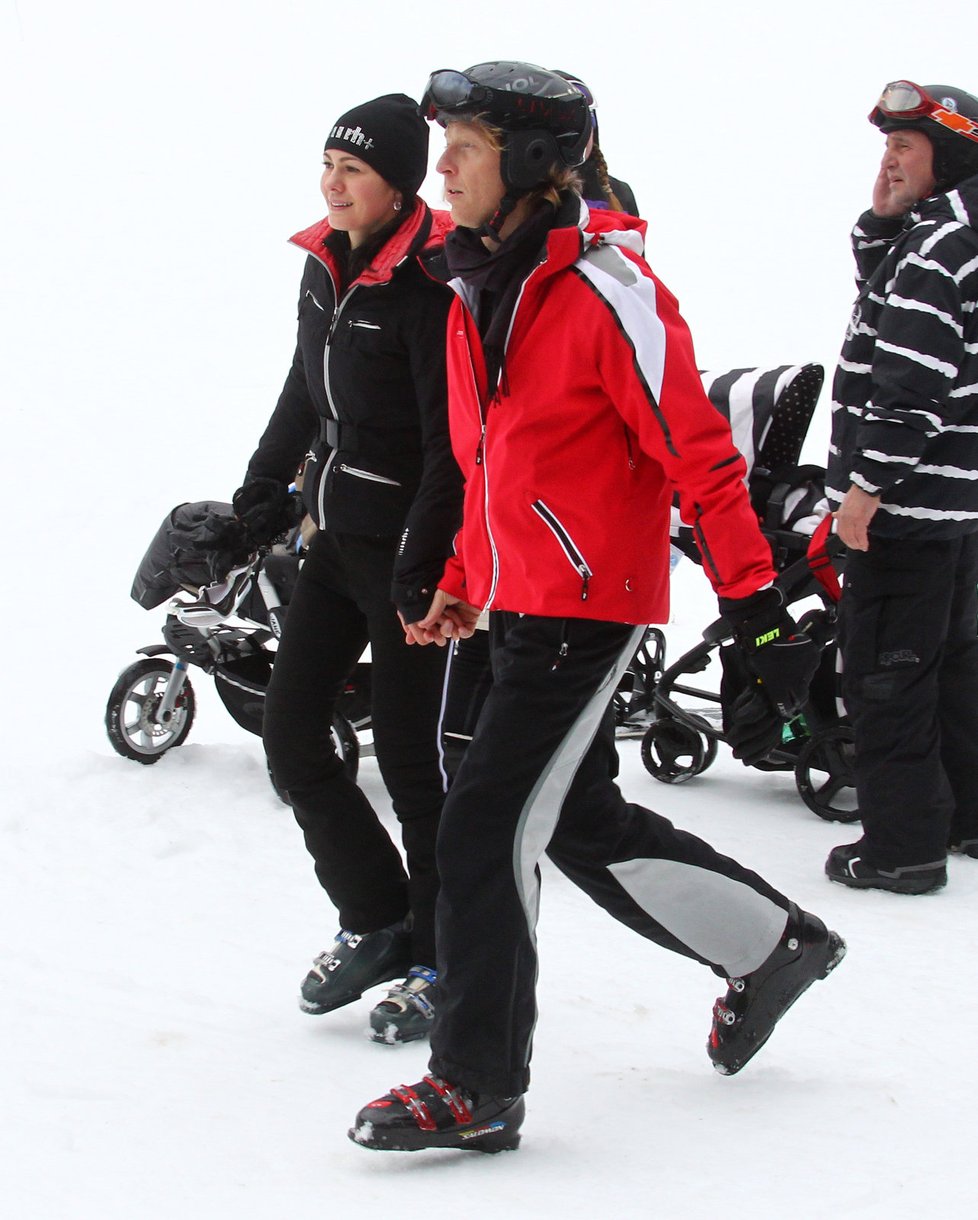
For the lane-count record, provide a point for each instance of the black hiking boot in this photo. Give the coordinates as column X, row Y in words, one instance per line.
column 965, row 847
column 745, row 1017
column 846, row 866
column 354, row 963
column 408, row 1009
column 436, row 1114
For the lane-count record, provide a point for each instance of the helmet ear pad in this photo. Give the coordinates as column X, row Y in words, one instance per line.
column 527, row 158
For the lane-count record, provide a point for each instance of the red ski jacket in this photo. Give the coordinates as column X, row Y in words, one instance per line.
column 571, row 460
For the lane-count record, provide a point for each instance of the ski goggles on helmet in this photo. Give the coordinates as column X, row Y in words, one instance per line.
column 449, row 92
column 903, row 100
column 583, row 89
column 580, row 86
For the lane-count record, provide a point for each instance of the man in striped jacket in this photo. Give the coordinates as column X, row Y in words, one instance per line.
column 903, row 472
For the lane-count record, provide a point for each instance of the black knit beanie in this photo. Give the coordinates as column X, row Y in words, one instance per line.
column 390, row 135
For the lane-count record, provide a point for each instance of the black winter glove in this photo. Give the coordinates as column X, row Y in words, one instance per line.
column 224, row 542
column 266, row 508
column 779, row 660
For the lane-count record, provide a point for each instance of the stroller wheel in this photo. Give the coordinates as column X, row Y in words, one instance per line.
column 132, row 712
column 673, row 752
column 347, row 746
column 824, row 775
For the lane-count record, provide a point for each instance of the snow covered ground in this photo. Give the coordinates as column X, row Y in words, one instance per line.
column 156, row 921
column 159, row 919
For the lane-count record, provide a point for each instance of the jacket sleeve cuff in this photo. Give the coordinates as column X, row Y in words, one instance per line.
column 741, row 611
column 453, row 580
column 871, row 225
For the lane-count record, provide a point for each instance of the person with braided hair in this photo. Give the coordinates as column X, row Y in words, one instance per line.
column 598, row 188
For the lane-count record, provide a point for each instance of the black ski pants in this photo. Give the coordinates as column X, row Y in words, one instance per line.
column 538, row 776
column 909, row 640
column 342, row 603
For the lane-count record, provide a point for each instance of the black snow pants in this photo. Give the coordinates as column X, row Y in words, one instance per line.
column 909, row 640
column 537, row 777
column 341, row 604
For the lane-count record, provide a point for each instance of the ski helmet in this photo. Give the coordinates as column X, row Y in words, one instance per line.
column 545, row 120
column 947, row 116
column 573, row 79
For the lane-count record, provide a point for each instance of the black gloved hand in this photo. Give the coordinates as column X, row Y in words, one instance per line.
column 780, row 661
column 750, row 726
column 224, row 542
column 266, row 508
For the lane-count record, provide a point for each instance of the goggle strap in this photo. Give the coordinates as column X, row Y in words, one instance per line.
column 955, row 122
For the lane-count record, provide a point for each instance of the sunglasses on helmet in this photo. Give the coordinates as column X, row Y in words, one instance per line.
column 902, row 99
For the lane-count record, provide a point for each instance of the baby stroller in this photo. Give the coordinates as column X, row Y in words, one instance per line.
column 681, row 722
column 226, row 628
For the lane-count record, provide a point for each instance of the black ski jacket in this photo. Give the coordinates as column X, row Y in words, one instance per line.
column 366, row 399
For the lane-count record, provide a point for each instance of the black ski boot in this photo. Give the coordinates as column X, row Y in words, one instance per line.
column 408, row 1009
column 846, row 866
column 745, row 1017
column 342, row 973
column 436, row 1114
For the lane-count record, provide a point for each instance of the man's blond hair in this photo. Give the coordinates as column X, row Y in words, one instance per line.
column 560, row 178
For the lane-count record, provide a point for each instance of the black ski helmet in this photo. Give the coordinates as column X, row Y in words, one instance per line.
column 545, row 119
column 581, row 87
column 955, row 154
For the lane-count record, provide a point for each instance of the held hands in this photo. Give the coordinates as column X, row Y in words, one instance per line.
column 448, row 618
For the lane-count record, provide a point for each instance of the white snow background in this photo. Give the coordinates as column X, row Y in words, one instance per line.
column 156, row 921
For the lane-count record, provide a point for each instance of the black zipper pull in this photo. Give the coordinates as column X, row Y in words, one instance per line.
column 561, row 654
column 585, row 580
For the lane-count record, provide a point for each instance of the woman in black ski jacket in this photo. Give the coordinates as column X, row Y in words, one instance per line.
column 366, row 396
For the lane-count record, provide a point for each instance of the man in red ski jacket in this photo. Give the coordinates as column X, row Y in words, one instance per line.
column 575, row 408
column 571, row 462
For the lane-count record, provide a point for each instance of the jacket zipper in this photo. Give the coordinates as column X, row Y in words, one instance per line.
column 480, row 458
column 368, row 474
column 337, row 310
column 481, row 461
column 480, row 454
column 567, row 544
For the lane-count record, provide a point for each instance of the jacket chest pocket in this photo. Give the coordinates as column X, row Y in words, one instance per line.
column 364, row 335
column 369, row 476
column 314, row 311
column 314, row 318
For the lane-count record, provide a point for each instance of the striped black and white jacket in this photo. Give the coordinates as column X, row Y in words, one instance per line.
column 905, row 395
